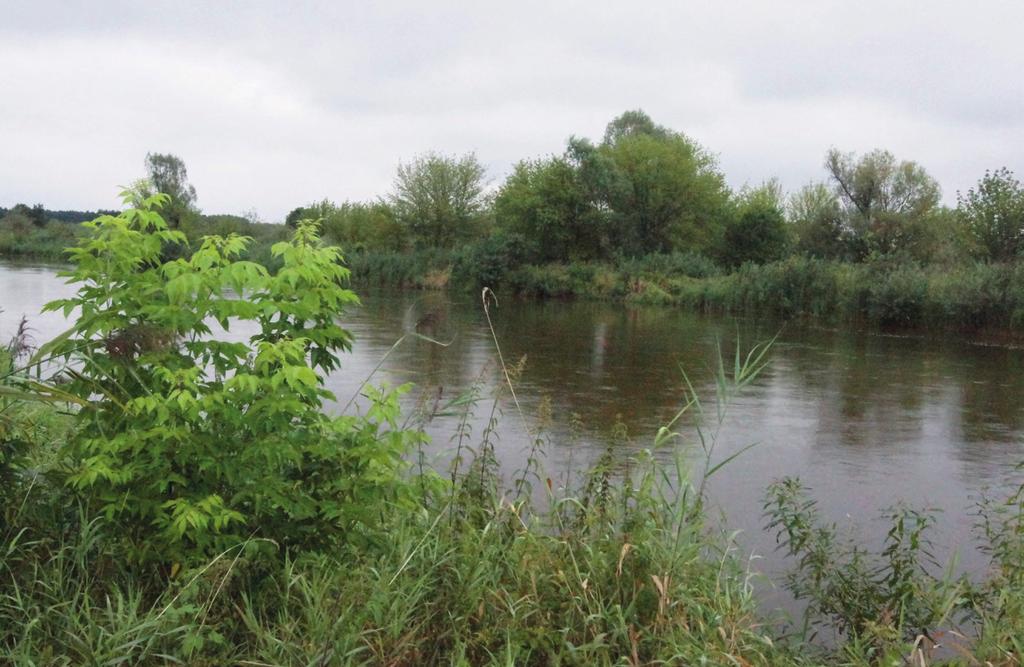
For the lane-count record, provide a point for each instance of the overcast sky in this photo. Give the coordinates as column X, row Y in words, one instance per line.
column 275, row 104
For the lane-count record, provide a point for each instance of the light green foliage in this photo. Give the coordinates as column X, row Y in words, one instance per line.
column 439, row 199
column 993, row 212
column 361, row 227
column 191, row 441
column 886, row 204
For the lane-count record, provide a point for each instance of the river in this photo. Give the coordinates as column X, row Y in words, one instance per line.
column 865, row 420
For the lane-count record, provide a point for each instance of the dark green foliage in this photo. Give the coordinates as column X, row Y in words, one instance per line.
column 546, row 204
column 758, row 231
column 34, row 214
column 19, row 238
column 669, row 265
column 299, row 213
column 644, row 189
column 77, row 216
column 408, row 269
column 487, row 263
column 167, row 174
column 661, row 189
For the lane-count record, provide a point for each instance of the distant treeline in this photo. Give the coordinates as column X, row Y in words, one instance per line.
column 40, row 215
column 584, row 221
column 645, row 189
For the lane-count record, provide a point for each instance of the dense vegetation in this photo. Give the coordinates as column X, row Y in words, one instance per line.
column 171, row 495
column 645, row 215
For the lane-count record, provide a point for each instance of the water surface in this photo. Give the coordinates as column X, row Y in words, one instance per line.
column 865, row 420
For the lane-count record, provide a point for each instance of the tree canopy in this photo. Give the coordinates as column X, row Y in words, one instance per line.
column 885, row 203
column 167, row 174
column 993, row 212
column 439, row 198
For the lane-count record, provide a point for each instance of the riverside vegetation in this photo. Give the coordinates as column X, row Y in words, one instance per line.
column 169, row 496
column 644, row 215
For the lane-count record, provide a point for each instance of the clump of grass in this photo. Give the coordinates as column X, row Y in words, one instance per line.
column 881, row 607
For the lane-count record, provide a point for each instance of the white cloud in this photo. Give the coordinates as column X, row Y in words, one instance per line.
column 275, row 104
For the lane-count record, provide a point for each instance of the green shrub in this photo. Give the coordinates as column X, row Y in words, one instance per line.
column 190, row 442
column 486, row 263
column 676, row 264
column 897, row 297
column 898, row 601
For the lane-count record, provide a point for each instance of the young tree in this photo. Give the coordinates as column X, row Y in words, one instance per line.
column 439, row 199
column 885, row 203
column 166, row 173
column 993, row 212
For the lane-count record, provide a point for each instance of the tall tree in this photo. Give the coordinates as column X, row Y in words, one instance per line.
column 886, row 203
column 663, row 189
column 439, row 199
column 166, row 173
column 993, row 212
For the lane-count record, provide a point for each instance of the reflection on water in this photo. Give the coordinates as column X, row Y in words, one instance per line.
column 864, row 420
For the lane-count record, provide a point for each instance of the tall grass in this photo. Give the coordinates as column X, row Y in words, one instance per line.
column 616, row 565
column 616, row 568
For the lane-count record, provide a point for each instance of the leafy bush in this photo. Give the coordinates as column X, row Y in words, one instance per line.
column 486, row 263
column 675, row 264
column 897, row 297
column 189, row 441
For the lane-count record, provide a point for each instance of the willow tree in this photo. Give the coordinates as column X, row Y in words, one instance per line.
column 886, row 203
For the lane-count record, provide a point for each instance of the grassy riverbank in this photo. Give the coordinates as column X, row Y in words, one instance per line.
column 969, row 296
column 154, row 514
